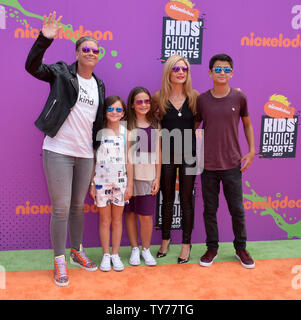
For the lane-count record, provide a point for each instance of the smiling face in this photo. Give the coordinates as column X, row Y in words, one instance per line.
column 115, row 115
column 221, row 78
column 141, row 104
column 88, row 59
column 180, row 76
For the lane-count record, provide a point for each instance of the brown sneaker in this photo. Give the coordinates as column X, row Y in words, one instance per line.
column 245, row 259
column 208, row 258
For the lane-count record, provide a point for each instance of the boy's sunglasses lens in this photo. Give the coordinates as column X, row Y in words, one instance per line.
column 219, row 70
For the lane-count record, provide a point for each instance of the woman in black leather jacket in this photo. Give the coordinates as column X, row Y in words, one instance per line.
column 71, row 118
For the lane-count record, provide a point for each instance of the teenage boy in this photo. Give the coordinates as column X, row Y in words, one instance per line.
column 220, row 110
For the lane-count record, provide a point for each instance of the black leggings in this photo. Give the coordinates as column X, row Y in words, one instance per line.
column 168, row 185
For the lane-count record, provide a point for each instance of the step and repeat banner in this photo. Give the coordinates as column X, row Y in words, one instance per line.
column 136, row 37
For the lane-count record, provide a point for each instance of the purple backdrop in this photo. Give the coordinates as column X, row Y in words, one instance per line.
column 261, row 69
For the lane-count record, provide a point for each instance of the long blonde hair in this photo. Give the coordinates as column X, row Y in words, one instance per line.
column 166, row 85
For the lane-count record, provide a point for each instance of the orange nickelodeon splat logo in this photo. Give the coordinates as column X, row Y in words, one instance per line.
column 182, row 10
column 278, row 107
column 279, row 128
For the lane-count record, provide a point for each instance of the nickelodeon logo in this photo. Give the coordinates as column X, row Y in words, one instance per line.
column 35, row 209
column 275, row 42
column 64, row 33
column 273, row 204
column 182, row 10
column 279, row 107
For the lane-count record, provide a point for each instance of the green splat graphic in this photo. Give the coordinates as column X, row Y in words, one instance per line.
column 114, row 53
column 16, row 5
column 292, row 229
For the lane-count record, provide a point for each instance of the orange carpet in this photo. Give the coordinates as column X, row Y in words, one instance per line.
column 271, row 279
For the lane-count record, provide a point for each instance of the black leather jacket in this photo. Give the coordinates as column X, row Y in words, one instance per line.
column 64, row 90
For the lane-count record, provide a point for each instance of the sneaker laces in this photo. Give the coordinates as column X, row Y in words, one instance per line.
column 245, row 254
column 83, row 256
column 210, row 253
column 61, row 269
column 148, row 255
column 116, row 259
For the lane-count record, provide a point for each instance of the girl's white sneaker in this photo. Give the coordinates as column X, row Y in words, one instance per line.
column 148, row 257
column 135, row 257
column 117, row 263
column 105, row 264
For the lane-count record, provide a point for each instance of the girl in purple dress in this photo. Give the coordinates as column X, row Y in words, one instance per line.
column 146, row 154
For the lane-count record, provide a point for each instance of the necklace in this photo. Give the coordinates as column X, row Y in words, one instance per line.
column 179, row 112
column 176, row 101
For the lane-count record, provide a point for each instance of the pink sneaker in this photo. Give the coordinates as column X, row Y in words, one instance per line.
column 60, row 271
column 79, row 258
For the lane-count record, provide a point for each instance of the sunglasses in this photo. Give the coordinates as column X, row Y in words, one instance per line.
column 111, row 108
column 140, row 102
column 88, row 49
column 177, row 68
column 219, row 70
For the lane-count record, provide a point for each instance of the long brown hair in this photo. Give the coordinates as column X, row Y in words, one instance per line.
column 131, row 115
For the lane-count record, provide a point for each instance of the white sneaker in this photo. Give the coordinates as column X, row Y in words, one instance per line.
column 117, row 263
column 135, row 257
column 105, row 263
column 148, row 258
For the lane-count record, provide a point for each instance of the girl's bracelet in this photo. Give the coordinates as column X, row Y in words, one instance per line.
column 92, row 184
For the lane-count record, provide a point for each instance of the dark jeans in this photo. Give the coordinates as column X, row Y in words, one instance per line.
column 232, row 186
column 168, row 187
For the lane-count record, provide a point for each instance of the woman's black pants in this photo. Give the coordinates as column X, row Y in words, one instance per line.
column 168, row 188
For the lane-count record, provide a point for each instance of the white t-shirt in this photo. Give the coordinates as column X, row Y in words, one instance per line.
column 74, row 138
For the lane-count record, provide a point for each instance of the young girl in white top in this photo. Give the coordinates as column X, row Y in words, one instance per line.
column 146, row 154
column 113, row 180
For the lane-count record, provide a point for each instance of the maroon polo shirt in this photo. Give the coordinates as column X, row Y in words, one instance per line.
column 220, row 117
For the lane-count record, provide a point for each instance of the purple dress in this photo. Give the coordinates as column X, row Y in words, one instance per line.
column 143, row 202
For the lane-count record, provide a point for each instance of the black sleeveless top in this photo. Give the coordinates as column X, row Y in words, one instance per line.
column 184, row 132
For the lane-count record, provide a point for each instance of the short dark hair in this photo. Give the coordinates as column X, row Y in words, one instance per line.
column 220, row 57
column 83, row 39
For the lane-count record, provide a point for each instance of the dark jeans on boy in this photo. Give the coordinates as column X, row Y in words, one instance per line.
column 232, row 186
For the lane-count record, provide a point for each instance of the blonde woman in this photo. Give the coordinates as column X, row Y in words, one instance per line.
column 176, row 102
